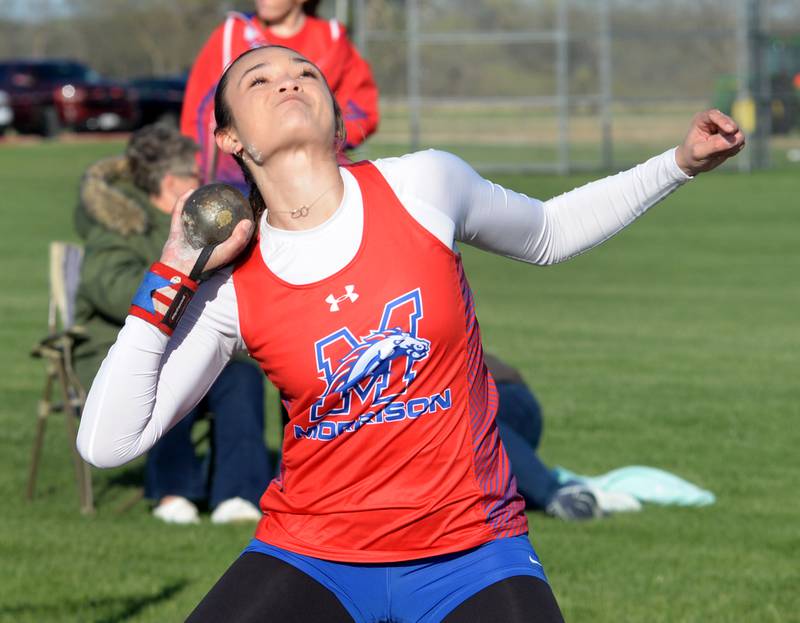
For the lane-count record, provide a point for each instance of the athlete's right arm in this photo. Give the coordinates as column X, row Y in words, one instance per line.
column 149, row 381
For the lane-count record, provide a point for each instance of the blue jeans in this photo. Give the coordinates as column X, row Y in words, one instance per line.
column 519, row 422
column 240, row 462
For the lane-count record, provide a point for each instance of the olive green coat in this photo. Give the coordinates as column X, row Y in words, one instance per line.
column 123, row 233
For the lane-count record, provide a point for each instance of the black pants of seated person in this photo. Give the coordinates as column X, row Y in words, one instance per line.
column 262, row 589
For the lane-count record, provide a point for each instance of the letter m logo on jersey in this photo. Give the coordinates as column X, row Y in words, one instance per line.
column 372, row 369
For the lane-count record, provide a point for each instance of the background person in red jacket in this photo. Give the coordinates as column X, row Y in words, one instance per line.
column 290, row 23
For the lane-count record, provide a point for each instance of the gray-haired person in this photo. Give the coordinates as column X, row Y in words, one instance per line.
column 123, row 217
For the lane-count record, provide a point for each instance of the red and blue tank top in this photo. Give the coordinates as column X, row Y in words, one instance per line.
column 391, row 452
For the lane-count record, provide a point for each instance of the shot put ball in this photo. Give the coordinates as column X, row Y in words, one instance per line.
column 212, row 212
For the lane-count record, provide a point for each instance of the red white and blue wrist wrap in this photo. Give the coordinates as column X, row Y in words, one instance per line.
column 159, row 279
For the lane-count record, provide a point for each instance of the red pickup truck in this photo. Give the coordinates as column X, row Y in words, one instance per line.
column 47, row 96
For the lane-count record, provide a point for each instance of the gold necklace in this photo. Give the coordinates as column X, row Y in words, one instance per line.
column 304, row 209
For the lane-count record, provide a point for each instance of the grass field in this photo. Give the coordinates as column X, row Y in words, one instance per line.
column 675, row 345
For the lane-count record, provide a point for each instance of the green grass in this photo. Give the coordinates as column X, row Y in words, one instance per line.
column 674, row 345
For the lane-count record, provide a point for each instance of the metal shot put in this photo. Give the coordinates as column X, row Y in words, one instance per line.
column 212, row 212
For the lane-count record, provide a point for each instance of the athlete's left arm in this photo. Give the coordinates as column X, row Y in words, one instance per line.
column 503, row 221
column 499, row 220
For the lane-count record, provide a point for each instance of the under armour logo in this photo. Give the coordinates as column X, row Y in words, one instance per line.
column 349, row 293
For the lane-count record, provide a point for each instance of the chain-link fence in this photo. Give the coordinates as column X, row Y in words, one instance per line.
column 566, row 85
column 547, row 85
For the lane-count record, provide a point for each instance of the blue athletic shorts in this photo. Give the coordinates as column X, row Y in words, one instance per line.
column 418, row 590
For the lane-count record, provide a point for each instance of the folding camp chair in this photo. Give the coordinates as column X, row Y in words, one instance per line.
column 56, row 349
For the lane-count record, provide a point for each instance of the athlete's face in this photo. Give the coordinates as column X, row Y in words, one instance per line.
column 278, row 100
column 273, row 12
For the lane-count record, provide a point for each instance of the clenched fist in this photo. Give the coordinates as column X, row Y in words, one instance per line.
column 713, row 138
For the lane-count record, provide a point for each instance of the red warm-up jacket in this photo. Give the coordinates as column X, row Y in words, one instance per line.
column 323, row 42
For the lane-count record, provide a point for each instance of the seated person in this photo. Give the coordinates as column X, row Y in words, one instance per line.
column 519, row 422
column 124, row 217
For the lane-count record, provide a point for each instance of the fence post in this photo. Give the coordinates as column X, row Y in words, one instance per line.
column 606, row 113
column 413, row 72
column 763, row 84
column 360, row 19
column 752, row 108
column 360, row 27
column 341, row 11
column 744, row 106
column 562, row 84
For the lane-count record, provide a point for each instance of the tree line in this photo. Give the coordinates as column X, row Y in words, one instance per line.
column 118, row 38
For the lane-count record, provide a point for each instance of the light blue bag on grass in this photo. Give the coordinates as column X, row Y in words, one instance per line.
column 646, row 484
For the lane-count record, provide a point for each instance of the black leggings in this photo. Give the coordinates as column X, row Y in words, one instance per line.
column 260, row 589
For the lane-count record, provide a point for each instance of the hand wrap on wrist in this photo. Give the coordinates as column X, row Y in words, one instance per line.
column 162, row 276
column 157, row 281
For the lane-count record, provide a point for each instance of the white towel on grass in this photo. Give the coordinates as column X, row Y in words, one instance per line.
column 645, row 484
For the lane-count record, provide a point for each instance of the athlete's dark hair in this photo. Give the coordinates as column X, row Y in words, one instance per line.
column 224, row 120
column 158, row 149
column 310, row 7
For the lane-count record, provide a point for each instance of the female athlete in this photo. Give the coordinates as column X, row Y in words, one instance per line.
column 394, row 500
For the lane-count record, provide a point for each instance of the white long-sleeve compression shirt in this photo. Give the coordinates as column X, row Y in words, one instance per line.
column 149, row 381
